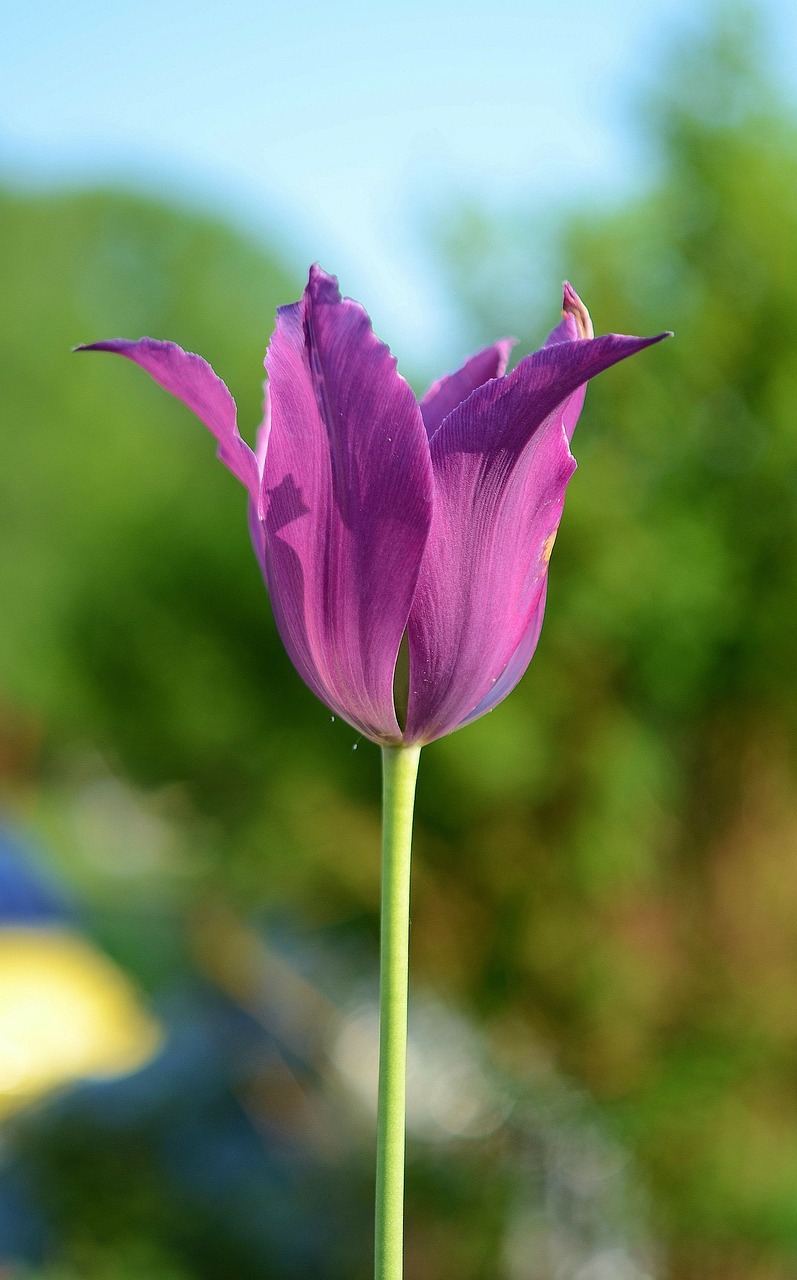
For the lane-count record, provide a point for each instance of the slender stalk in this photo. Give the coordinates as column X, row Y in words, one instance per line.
column 399, row 772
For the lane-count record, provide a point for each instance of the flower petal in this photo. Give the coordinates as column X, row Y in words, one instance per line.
column 445, row 394
column 501, row 465
column 346, row 500
column 192, row 380
column 575, row 324
column 576, row 321
column 263, row 431
column 516, row 667
column 257, row 528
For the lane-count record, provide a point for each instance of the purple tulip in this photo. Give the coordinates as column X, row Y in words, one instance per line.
column 377, row 519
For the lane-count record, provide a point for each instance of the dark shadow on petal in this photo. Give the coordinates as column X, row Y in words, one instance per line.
column 284, row 504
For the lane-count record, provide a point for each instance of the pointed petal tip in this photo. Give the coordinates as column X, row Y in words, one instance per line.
column 126, row 346
column 191, row 379
column 446, row 393
column 108, row 344
column 321, row 285
column 658, row 337
column 573, row 306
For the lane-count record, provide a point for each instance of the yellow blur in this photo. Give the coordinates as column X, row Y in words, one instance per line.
column 66, row 1013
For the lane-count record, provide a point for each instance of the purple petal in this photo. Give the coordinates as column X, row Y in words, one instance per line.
column 445, row 394
column 501, row 465
column 346, row 499
column 192, row 380
column 263, row 431
column 257, row 528
column 516, row 667
column 576, row 321
column 575, row 324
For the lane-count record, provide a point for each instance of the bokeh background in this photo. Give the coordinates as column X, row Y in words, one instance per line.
column 603, row 1064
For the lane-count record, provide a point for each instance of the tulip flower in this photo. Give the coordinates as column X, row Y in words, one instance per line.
column 405, row 548
column 378, row 519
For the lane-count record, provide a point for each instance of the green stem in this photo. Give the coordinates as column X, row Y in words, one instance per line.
column 399, row 772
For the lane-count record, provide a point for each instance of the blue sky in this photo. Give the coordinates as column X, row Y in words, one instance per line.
column 340, row 127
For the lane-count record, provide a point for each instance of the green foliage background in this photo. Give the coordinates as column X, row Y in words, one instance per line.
column 607, row 865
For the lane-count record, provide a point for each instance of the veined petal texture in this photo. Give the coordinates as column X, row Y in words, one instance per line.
column 346, row 501
column 445, row 394
column 516, row 667
column 501, row 467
